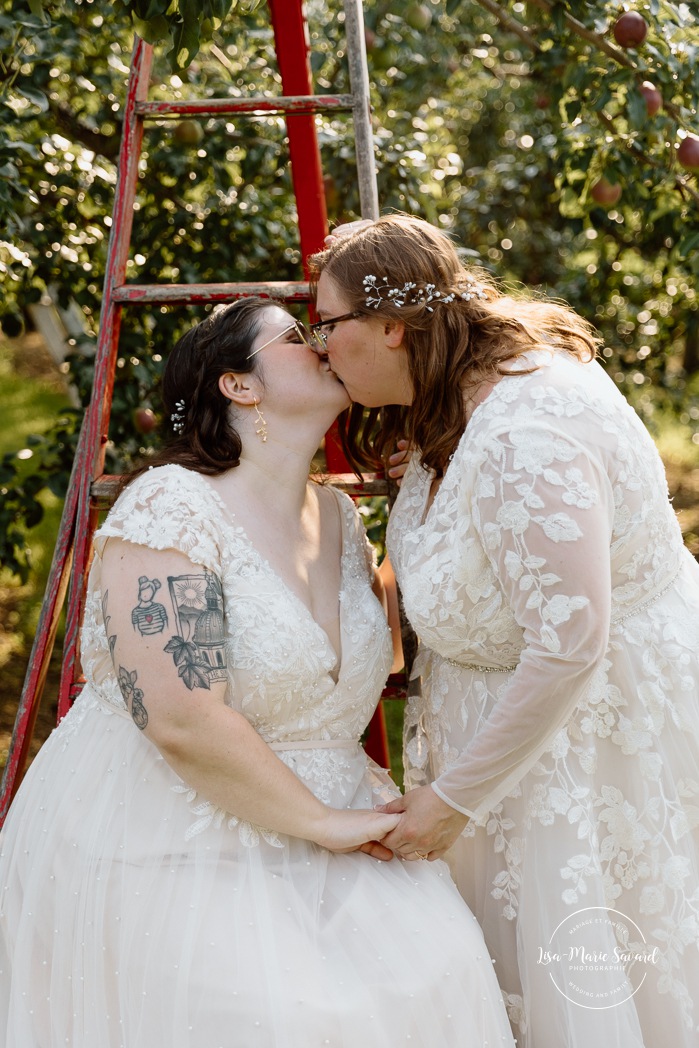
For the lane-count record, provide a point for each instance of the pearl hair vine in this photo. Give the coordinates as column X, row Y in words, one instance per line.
column 412, row 294
column 178, row 416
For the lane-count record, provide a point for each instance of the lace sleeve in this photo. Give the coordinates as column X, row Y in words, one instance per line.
column 543, row 508
column 167, row 508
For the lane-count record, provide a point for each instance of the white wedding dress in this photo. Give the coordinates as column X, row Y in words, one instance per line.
column 135, row 914
column 558, row 617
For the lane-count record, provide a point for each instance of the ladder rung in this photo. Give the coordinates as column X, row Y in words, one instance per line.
column 182, row 294
column 293, row 104
column 103, row 490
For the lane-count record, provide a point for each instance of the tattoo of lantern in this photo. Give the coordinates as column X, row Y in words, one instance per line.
column 133, row 696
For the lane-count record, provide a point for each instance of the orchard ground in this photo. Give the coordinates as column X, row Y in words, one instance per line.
column 34, row 391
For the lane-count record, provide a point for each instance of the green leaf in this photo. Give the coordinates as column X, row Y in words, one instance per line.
column 570, row 205
column 637, row 109
column 688, row 244
column 37, row 98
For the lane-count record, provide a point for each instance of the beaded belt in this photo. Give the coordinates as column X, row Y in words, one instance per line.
column 481, row 669
column 647, row 601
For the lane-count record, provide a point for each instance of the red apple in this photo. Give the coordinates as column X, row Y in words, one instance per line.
column 542, row 101
column 144, row 420
column 688, row 153
column 654, row 99
column 630, row 29
column 605, row 193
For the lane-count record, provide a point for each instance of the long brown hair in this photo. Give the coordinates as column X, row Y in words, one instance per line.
column 456, row 340
column 205, row 439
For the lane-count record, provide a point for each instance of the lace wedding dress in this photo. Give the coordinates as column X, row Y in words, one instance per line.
column 135, row 914
column 558, row 618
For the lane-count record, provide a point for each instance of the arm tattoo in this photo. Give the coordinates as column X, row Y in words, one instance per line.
column 148, row 617
column 133, row 697
column 199, row 647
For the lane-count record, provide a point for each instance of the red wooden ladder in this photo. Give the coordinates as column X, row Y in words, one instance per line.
column 89, row 489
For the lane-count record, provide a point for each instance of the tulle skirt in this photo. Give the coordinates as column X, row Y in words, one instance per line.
column 134, row 914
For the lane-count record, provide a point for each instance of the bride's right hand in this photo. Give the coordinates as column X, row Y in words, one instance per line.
column 350, row 830
column 398, row 461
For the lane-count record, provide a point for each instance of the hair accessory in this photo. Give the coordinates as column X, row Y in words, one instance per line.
column 261, row 429
column 178, row 416
column 411, row 294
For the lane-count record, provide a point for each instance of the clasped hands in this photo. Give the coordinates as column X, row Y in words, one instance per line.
column 428, row 826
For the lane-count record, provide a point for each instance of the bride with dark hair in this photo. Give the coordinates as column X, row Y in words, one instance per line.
column 182, row 865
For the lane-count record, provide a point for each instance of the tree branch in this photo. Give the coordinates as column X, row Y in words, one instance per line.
column 510, row 23
column 609, row 49
column 587, row 34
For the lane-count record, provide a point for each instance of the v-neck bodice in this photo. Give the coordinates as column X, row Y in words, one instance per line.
column 284, row 674
column 265, row 565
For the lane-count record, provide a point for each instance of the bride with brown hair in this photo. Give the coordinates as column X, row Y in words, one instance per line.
column 552, row 754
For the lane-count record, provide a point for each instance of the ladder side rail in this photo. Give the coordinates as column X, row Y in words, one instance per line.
column 365, row 159
column 292, row 45
column 376, row 743
column 363, row 132
column 94, row 432
column 42, row 649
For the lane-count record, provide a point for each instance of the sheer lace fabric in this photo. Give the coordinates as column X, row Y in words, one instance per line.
column 134, row 913
column 558, row 615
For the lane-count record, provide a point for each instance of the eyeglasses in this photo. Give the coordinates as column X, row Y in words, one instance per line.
column 322, row 336
column 301, row 330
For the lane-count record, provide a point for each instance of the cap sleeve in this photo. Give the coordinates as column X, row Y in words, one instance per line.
column 358, row 546
column 168, row 507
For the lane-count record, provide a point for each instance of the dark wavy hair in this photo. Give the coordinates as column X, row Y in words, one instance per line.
column 451, row 347
column 208, row 441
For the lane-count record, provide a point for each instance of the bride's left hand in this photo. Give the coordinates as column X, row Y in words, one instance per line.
column 428, row 826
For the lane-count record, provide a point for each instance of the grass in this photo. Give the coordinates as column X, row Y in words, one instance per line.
column 33, row 393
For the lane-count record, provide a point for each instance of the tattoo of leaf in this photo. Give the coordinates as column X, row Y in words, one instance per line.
column 133, row 696
column 190, row 667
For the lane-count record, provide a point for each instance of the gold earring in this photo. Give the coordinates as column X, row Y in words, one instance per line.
column 260, row 429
